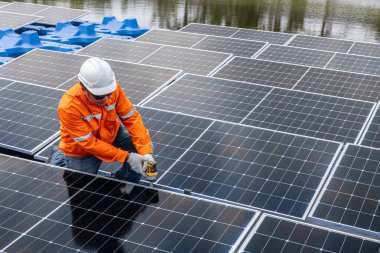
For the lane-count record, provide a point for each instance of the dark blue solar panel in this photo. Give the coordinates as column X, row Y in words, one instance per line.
column 351, row 195
column 259, row 168
column 275, row 234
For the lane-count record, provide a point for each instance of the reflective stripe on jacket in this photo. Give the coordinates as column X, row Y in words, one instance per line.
column 89, row 129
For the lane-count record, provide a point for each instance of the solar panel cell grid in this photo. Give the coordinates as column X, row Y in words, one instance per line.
column 172, row 38
column 259, row 168
column 367, row 49
column 210, row 97
column 192, row 61
column 216, row 30
column 28, row 116
column 16, row 20
column 271, row 37
column 261, row 72
column 371, row 136
column 355, row 63
column 53, row 14
column 341, row 84
column 327, row 44
column 43, row 67
column 98, row 214
column 351, row 195
column 295, row 55
column 4, row 83
column 129, row 51
column 275, row 234
column 311, row 114
column 237, row 47
column 23, row 8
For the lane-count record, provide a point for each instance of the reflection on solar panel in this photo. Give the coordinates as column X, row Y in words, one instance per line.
column 23, row 8
column 355, row 63
column 274, row 171
column 296, row 55
column 28, row 117
column 4, row 83
column 368, row 49
column 313, row 115
column 53, row 14
column 68, row 211
column 42, row 67
column 271, row 37
column 238, row 47
column 334, row 45
column 371, row 136
column 129, row 51
column 341, row 84
column 210, row 97
column 261, row 72
column 275, row 234
column 15, row 20
column 216, row 30
column 192, row 61
column 172, row 38
column 351, row 194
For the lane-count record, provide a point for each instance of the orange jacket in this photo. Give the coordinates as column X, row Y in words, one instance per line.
column 89, row 129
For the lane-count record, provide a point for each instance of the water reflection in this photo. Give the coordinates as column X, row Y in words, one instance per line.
column 349, row 19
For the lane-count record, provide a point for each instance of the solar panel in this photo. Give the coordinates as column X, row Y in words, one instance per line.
column 28, row 117
column 363, row 48
column 171, row 38
column 261, row 72
column 351, row 195
column 274, row 171
column 192, row 61
column 4, row 83
column 314, row 115
column 216, row 30
column 371, row 136
column 237, row 47
column 355, row 63
column 2, row 4
column 23, row 8
column 328, row 44
column 275, row 234
column 130, row 51
column 81, row 213
column 15, row 20
column 296, row 55
column 172, row 134
column 341, row 84
column 42, row 67
column 54, row 14
column 210, row 97
column 266, row 36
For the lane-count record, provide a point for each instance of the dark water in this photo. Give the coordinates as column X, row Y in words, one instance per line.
column 348, row 19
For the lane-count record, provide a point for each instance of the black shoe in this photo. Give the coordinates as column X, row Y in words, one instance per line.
column 55, row 148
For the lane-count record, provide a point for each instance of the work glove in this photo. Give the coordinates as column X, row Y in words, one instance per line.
column 149, row 158
column 138, row 162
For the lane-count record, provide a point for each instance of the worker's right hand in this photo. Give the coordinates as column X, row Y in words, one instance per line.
column 137, row 162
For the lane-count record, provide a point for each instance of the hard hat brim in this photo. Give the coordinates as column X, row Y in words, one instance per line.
column 104, row 90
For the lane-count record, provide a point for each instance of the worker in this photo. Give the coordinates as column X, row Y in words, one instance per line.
column 90, row 114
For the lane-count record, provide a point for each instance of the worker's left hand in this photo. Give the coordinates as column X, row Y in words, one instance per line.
column 149, row 158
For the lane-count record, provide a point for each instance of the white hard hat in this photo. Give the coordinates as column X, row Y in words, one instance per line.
column 97, row 76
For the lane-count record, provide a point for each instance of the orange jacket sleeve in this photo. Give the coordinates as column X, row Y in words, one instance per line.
column 133, row 122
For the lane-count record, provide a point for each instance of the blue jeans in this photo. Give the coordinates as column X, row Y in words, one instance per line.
column 91, row 164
